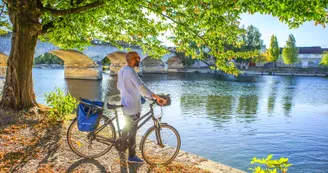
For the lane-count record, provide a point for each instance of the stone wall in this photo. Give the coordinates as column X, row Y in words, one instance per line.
column 175, row 63
column 154, row 69
column 3, row 64
column 3, row 71
column 117, row 61
column 150, row 65
column 90, row 73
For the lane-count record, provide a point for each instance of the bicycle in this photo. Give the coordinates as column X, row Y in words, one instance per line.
column 155, row 148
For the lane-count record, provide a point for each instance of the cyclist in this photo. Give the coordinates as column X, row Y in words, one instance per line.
column 131, row 89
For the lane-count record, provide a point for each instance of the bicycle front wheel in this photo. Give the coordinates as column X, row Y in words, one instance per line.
column 91, row 144
column 156, row 154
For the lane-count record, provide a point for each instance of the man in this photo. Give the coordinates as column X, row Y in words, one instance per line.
column 131, row 88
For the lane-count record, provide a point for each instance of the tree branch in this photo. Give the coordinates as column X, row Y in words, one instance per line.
column 45, row 28
column 206, row 63
column 179, row 23
column 72, row 10
column 49, row 25
column 39, row 4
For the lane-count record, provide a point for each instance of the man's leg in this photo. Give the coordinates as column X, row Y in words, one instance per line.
column 132, row 139
column 127, row 126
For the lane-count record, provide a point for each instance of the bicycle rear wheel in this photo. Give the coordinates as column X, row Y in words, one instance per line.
column 91, row 144
column 153, row 153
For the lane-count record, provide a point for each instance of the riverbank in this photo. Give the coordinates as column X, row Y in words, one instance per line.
column 31, row 143
column 49, row 66
column 321, row 72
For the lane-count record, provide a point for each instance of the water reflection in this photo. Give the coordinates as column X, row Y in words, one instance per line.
column 221, row 108
column 192, row 103
column 110, row 91
column 273, row 95
column 247, row 108
column 289, row 88
column 218, row 105
column 85, row 88
column 247, row 104
column 218, row 109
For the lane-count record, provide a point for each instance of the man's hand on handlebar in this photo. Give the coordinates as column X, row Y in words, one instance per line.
column 159, row 99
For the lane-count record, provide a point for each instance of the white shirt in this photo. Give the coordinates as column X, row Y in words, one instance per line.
column 131, row 88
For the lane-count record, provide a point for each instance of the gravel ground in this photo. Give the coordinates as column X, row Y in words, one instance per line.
column 30, row 143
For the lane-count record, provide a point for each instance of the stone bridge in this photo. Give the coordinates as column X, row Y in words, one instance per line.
column 86, row 64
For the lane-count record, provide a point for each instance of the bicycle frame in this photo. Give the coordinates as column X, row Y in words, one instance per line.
column 149, row 115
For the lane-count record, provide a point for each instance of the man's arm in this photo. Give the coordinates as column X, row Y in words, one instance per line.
column 144, row 90
column 141, row 86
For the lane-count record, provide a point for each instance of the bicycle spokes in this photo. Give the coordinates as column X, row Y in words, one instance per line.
column 163, row 148
column 90, row 144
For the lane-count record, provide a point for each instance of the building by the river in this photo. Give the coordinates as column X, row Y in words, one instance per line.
column 309, row 57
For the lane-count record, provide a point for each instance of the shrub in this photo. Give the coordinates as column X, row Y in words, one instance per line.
column 271, row 166
column 61, row 104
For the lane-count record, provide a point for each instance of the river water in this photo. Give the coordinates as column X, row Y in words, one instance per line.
column 226, row 119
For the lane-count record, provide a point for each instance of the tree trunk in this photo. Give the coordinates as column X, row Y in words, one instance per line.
column 18, row 90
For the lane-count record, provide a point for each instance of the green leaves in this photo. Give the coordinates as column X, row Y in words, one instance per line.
column 271, row 166
column 210, row 23
column 5, row 25
column 274, row 50
column 324, row 60
column 290, row 51
column 61, row 104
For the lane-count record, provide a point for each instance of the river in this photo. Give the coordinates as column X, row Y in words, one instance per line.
column 226, row 119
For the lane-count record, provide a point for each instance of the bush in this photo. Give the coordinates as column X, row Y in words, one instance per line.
column 60, row 104
column 271, row 166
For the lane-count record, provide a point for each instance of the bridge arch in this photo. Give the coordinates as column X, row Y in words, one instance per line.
column 151, row 65
column 73, row 58
column 117, row 61
column 3, row 59
column 86, row 64
column 175, row 62
column 77, row 65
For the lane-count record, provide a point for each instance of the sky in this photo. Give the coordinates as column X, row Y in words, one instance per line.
column 306, row 35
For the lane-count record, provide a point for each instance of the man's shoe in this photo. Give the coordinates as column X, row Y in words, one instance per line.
column 135, row 159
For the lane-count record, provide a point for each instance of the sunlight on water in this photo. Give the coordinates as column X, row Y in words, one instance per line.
column 228, row 119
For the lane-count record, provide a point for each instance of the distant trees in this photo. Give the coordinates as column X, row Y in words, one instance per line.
column 48, row 58
column 252, row 39
column 250, row 42
column 274, row 50
column 105, row 62
column 290, row 51
column 324, row 60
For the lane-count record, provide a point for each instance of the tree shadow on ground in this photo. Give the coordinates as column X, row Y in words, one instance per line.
column 95, row 166
column 9, row 118
column 79, row 163
column 27, row 137
column 127, row 167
